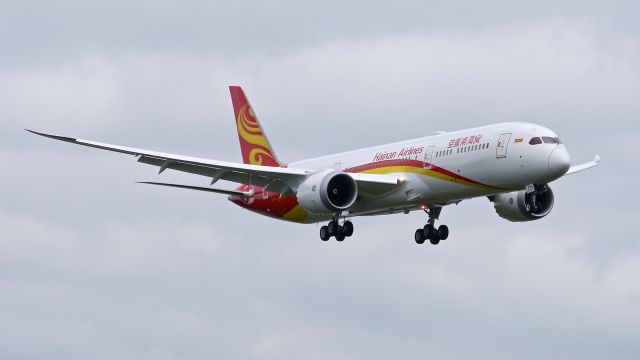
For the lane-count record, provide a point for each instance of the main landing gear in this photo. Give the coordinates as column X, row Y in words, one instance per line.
column 429, row 231
column 335, row 229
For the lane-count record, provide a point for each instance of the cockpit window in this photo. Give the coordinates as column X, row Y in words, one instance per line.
column 535, row 141
column 558, row 140
column 548, row 140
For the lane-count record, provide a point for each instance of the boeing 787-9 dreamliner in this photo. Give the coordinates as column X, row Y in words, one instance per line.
column 511, row 164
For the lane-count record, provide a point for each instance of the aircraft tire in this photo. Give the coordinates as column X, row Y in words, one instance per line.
column 429, row 232
column 419, row 236
column 443, row 232
column 324, row 233
column 348, row 228
column 333, row 228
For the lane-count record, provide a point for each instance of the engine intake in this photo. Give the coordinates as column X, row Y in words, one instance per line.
column 327, row 192
column 522, row 206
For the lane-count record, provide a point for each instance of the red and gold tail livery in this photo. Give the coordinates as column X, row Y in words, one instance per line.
column 254, row 144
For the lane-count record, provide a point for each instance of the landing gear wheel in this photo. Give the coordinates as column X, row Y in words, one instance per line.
column 340, row 235
column 429, row 231
column 324, row 233
column 348, row 228
column 419, row 237
column 443, row 232
column 333, row 228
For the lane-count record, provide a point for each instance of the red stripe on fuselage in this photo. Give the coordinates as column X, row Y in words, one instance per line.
column 412, row 163
column 275, row 206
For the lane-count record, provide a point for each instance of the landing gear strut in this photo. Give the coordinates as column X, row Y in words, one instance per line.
column 429, row 231
column 340, row 232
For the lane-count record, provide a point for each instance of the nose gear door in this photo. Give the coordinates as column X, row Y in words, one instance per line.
column 503, row 144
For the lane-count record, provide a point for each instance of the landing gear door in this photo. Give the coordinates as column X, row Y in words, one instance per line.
column 428, row 156
column 503, row 144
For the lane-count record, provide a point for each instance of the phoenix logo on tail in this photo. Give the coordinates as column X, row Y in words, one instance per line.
column 254, row 144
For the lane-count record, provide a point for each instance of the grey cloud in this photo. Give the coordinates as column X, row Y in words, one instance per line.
column 57, row 30
column 95, row 266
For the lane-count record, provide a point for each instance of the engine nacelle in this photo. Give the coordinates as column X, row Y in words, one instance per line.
column 327, row 192
column 523, row 206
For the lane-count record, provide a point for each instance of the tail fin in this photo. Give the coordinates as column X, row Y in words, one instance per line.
column 254, row 144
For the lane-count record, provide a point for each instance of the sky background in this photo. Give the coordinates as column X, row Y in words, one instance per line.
column 94, row 266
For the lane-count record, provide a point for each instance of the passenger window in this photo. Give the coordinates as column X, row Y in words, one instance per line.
column 535, row 141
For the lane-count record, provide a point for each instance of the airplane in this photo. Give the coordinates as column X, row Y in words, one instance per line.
column 510, row 163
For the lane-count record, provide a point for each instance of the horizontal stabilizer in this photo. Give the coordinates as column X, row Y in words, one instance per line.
column 199, row 188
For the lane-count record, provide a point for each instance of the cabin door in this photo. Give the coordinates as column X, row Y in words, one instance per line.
column 503, row 144
column 428, row 155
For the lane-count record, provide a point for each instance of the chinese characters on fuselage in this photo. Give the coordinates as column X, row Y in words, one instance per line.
column 462, row 141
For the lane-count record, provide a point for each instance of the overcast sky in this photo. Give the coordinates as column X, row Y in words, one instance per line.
column 94, row 266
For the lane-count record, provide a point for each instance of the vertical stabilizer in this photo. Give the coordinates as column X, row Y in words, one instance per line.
column 254, row 144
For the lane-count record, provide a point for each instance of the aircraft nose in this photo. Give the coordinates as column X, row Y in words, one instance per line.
column 559, row 161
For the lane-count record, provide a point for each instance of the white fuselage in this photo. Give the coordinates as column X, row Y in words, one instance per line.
column 455, row 166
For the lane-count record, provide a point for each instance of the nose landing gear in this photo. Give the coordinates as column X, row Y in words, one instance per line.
column 429, row 231
column 340, row 232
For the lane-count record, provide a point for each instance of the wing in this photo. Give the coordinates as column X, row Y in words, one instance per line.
column 585, row 166
column 277, row 179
